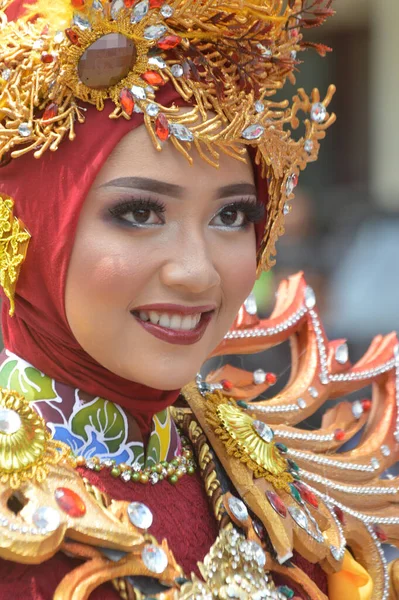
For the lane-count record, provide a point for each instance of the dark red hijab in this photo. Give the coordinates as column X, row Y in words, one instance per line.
column 49, row 194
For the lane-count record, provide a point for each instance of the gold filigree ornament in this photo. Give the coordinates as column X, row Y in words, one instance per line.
column 249, row 440
column 26, row 447
column 226, row 59
column 14, row 241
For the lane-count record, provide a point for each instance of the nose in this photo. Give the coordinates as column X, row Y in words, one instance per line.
column 190, row 265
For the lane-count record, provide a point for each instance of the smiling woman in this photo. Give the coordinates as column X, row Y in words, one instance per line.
column 126, row 255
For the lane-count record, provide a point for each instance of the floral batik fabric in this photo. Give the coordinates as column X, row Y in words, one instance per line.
column 91, row 426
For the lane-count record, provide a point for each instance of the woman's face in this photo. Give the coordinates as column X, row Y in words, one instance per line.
column 163, row 258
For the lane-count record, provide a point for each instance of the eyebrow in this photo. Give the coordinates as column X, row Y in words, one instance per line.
column 177, row 191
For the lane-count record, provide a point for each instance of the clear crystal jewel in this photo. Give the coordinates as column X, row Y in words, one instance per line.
column 181, row 132
column 24, row 130
column 308, row 146
column 253, row 132
column 82, row 23
column 108, row 462
column 385, row 450
column 91, row 464
column 264, row 51
column 154, row 559
column 152, row 109
column 59, row 37
column 6, row 74
column 140, row 515
column 167, row 11
column 310, row 297
column 137, row 109
column 324, row 378
column 299, row 517
column 238, row 508
column 138, row 92
column 259, row 376
column 375, row 463
column 10, row 421
column 250, row 304
column 313, row 392
column 157, row 61
column 257, row 553
column 263, row 430
column 140, row 11
column 116, row 7
column 259, row 106
column 396, row 435
column 97, row 5
column 291, row 183
column 357, row 409
column 301, row 403
column 335, row 552
column 38, row 44
column 126, row 476
column 154, row 478
column 342, row 354
column 46, row 518
column 177, row 70
column 318, row 112
column 286, row 209
column 154, row 32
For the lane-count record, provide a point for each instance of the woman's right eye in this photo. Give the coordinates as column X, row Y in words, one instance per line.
column 139, row 213
column 141, row 216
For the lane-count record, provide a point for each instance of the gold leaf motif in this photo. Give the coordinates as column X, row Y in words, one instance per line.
column 14, row 241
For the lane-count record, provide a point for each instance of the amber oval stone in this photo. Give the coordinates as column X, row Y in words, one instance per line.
column 107, row 61
column 70, row 502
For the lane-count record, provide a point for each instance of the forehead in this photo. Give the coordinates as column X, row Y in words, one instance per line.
column 135, row 155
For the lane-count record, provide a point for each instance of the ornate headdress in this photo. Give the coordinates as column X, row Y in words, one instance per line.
column 226, row 59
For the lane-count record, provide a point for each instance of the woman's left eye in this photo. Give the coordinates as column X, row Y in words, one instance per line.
column 230, row 217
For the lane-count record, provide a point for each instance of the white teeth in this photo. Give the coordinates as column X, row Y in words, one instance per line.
column 177, row 322
column 187, row 323
column 154, row 317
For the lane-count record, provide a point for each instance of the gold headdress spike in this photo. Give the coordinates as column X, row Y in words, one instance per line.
column 227, row 59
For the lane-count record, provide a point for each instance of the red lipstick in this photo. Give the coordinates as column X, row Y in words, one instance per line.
column 174, row 336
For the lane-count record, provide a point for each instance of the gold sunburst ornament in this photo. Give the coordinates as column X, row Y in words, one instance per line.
column 249, row 440
column 226, row 60
column 26, row 446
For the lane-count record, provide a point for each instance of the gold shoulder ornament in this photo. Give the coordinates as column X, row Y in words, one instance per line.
column 226, row 59
column 336, row 500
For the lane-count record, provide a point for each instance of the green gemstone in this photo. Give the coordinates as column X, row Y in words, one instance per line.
column 294, row 493
column 242, row 404
column 97, row 468
column 293, row 465
column 173, row 479
column 284, row 589
column 135, row 476
column 191, row 470
column 281, row 447
column 296, row 476
column 115, row 472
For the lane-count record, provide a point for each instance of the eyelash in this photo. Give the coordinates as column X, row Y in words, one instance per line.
column 253, row 211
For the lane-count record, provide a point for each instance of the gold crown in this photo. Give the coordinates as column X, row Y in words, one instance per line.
column 226, row 59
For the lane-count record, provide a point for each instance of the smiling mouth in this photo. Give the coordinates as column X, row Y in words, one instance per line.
column 172, row 327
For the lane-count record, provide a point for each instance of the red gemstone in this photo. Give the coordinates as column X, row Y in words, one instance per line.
column 307, row 494
column 153, row 78
column 70, row 502
column 271, row 378
column 339, row 435
column 50, row 112
column 72, row 36
column 129, row 3
column 339, row 514
column 156, row 3
column 162, row 127
column 227, row 385
column 47, row 58
column 277, row 503
column 366, row 404
column 127, row 101
column 380, row 533
column 168, row 42
column 78, row 3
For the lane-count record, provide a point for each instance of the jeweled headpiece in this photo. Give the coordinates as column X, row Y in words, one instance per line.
column 226, row 59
